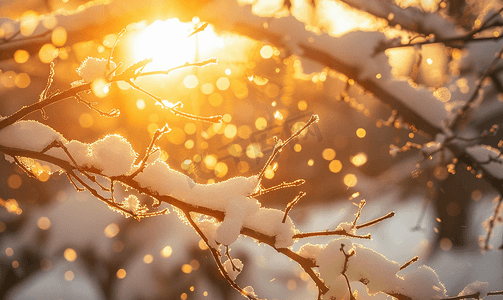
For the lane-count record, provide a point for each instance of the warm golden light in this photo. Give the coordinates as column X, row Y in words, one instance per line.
column 69, row 275
column 359, row 159
column 335, row 166
column 148, row 259
column 44, row 223
column 350, row 180
column 328, row 154
column 111, row 230
column 70, row 254
column 169, row 45
column 166, row 251
column 121, row 273
column 186, row 268
column 361, row 133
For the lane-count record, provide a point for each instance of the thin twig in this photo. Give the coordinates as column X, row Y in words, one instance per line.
column 330, row 232
column 492, row 219
column 290, row 205
column 358, row 213
column 278, row 147
column 158, row 100
column 410, row 262
column 111, row 114
column 157, row 134
column 113, row 49
column 370, row 223
column 216, row 256
column 199, row 29
column 283, row 185
column 345, row 268
column 455, row 121
column 11, row 39
column 23, row 167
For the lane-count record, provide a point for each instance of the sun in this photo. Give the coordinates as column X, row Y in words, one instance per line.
column 169, row 45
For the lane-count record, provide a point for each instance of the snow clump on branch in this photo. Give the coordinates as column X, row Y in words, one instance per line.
column 94, row 68
column 230, row 197
column 112, row 155
column 370, row 268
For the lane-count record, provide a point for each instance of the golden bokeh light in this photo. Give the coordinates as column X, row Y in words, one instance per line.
column 190, row 81
column 221, row 169
column 235, row 150
column 8, row 79
column 476, row 195
column 190, row 128
column 359, row 159
column 166, row 252
column 260, row 123
column 254, row 151
column 148, row 259
column 186, row 268
column 443, row 94
column 58, row 36
column 29, row 22
column 202, row 245
column 291, row 284
column 69, row 276
column 278, row 116
column 335, row 166
column 22, row 80
column 9, row 251
column 21, row 56
column 227, row 118
column 297, row 147
column 445, row 244
column 176, row 136
column 70, row 254
column 14, row 181
column 310, row 162
column 215, row 99
column 47, row 53
column 210, row 161
column 328, row 154
column 12, row 206
column 361, row 133
column 189, row 144
column 151, row 128
column 111, row 230
column 140, row 103
column 86, row 120
column 350, row 180
column 230, row 131
column 266, row 51
column 207, row 88
column 100, row 87
column 223, row 83
column 269, row 173
column 302, row 105
column 121, row 273
column 49, row 21
column 44, row 223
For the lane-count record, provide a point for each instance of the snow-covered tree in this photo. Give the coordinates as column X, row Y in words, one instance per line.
column 217, row 117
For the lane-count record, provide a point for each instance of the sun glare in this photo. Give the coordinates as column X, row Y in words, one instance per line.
column 169, row 44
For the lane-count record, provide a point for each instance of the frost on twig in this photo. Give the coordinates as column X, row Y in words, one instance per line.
column 490, row 223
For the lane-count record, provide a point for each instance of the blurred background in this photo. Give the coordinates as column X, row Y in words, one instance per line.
column 57, row 243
